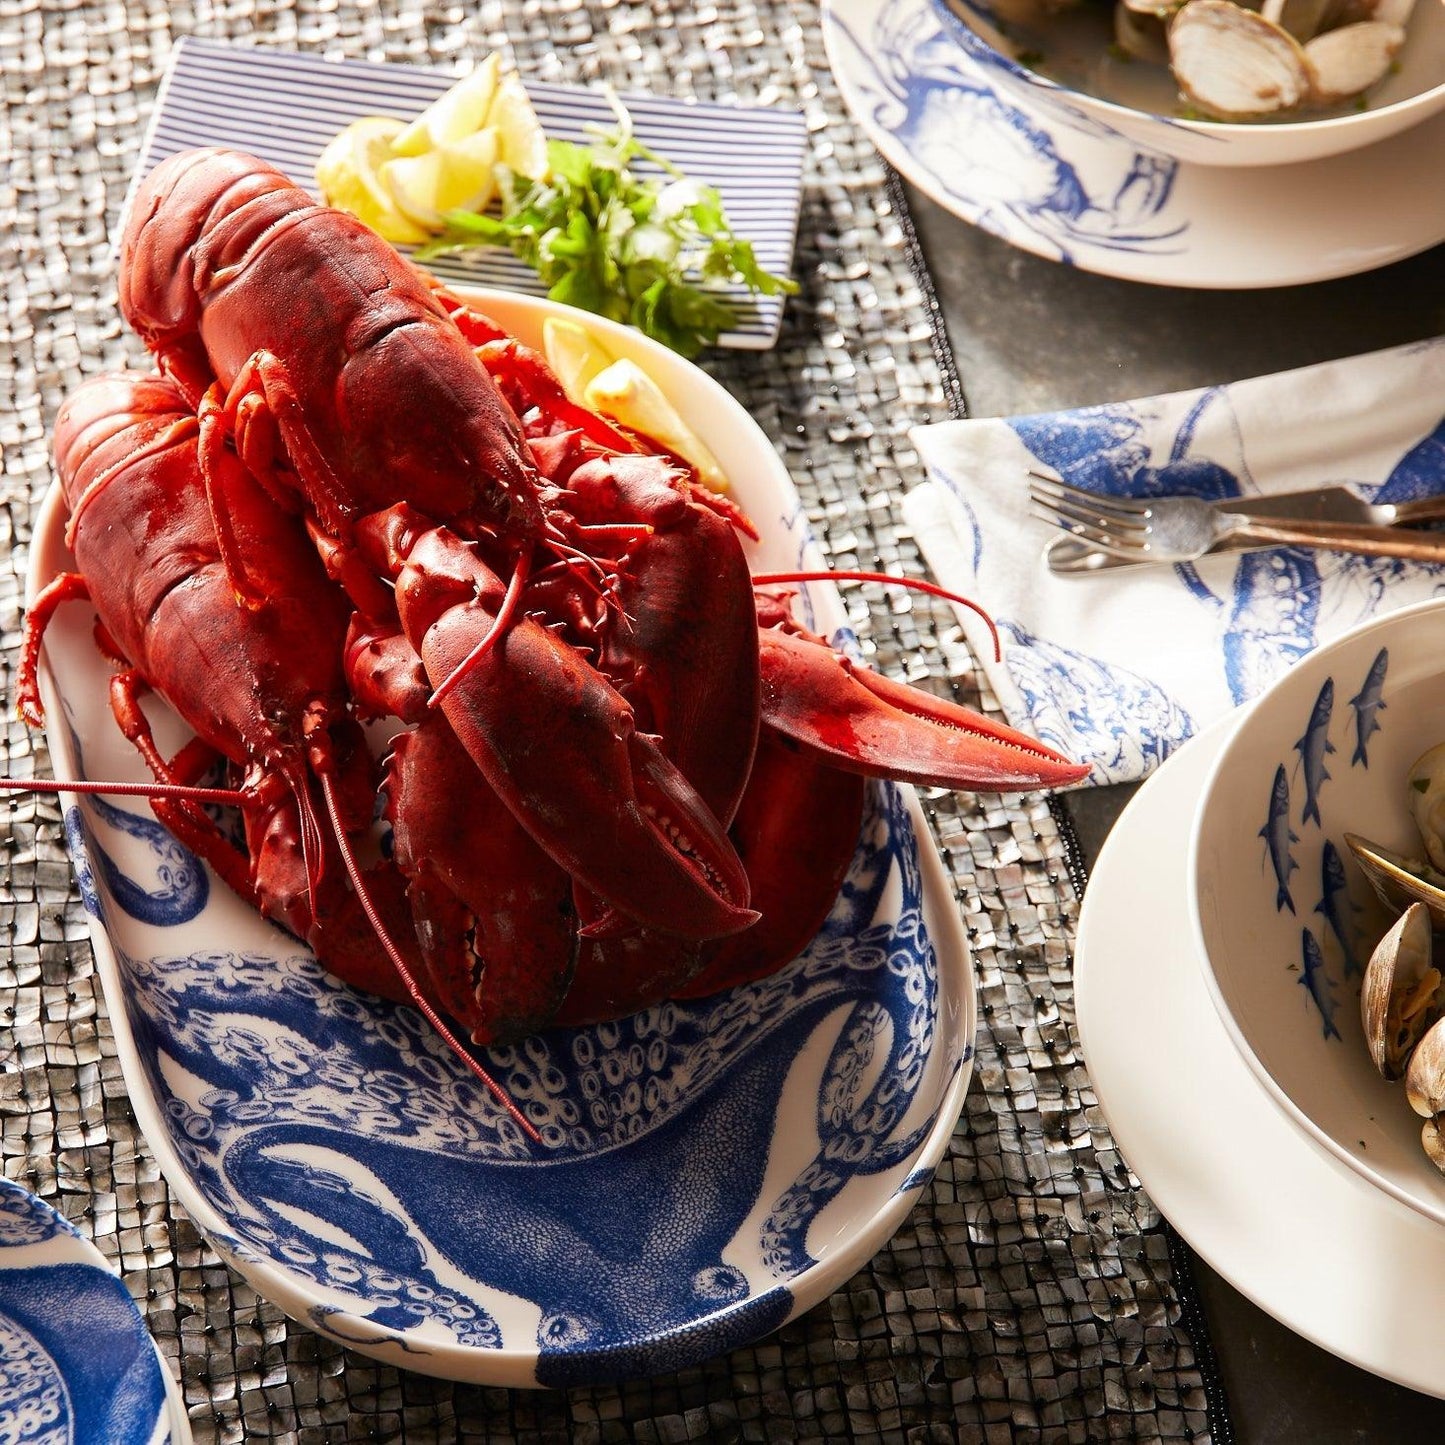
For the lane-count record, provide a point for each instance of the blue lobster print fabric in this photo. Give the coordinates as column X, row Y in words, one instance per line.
column 1119, row 668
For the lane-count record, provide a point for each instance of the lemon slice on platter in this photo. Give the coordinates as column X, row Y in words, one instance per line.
column 626, row 393
column 521, row 141
column 456, row 177
column 348, row 176
column 574, row 354
column 461, row 112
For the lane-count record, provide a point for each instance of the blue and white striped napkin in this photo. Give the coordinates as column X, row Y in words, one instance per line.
column 1118, row 669
column 285, row 107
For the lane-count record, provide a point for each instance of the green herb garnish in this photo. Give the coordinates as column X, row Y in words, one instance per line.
column 651, row 251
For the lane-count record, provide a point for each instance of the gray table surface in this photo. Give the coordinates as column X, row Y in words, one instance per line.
column 1029, row 335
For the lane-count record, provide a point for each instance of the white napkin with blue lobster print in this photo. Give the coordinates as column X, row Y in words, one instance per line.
column 1117, row 669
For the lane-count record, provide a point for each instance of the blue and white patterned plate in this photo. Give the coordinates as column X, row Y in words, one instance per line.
column 285, row 107
column 1070, row 188
column 77, row 1366
column 712, row 1168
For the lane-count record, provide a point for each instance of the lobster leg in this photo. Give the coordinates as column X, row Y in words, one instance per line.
column 191, row 826
column 259, row 405
column 67, row 587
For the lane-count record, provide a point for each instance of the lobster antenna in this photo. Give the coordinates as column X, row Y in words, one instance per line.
column 494, row 633
column 179, row 792
column 400, row 964
column 767, row 579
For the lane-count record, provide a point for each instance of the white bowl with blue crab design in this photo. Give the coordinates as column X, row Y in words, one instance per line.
column 1285, row 919
column 1065, row 63
column 712, row 1167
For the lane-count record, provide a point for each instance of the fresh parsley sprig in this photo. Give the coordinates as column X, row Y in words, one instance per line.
column 652, row 251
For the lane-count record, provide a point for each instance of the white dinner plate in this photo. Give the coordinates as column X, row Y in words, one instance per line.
column 712, row 1167
column 1083, row 194
column 1306, row 1239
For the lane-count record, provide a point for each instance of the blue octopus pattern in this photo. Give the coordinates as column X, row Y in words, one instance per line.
column 24, row 1219
column 76, row 1364
column 337, row 1138
column 997, row 161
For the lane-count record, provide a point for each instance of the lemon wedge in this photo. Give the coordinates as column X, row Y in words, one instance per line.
column 348, row 176
column 574, row 354
column 626, row 393
column 521, row 141
column 456, row 177
column 461, row 112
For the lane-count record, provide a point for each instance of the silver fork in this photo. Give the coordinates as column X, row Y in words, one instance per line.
column 1181, row 529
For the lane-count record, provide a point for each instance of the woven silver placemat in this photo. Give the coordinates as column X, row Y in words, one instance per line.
column 1032, row 1295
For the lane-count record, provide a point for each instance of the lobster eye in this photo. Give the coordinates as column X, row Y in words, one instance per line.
column 720, row 1282
column 562, row 1331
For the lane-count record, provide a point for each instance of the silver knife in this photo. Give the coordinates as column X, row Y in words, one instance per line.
column 1068, row 557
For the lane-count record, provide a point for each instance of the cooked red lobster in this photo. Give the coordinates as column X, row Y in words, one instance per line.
column 618, row 772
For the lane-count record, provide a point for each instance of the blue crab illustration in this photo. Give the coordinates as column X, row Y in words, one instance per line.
column 993, row 157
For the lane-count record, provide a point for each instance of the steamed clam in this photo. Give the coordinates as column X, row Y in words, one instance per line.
column 1402, row 998
column 1399, row 881
column 1426, row 789
column 1403, row 993
column 1425, row 1078
column 1246, row 61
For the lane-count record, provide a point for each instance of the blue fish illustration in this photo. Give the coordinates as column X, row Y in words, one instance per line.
column 1277, row 836
column 1313, row 747
column 1316, row 983
column 1368, row 704
column 1335, row 904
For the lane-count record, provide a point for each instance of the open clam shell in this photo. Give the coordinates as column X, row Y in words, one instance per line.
column 1433, row 1142
column 1400, row 881
column 1350, row 59
column 1425, row 1077
column 1426, row 789
column 1233, row 63
column 1403, row 993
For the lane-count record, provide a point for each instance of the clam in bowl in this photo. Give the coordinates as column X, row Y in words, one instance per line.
column 1214, row 82
column 1290, row 923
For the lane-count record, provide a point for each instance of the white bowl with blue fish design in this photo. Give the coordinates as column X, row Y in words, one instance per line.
column 713, row 1168
column 1284, row 917
column 1075, row 73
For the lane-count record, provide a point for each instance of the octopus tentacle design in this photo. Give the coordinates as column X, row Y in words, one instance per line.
column 334, row 1136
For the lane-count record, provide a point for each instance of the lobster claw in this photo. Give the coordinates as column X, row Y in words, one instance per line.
column 866, row 723
column 559, row 744
column 492, row 911
column 791, row 793
column 682, row 645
